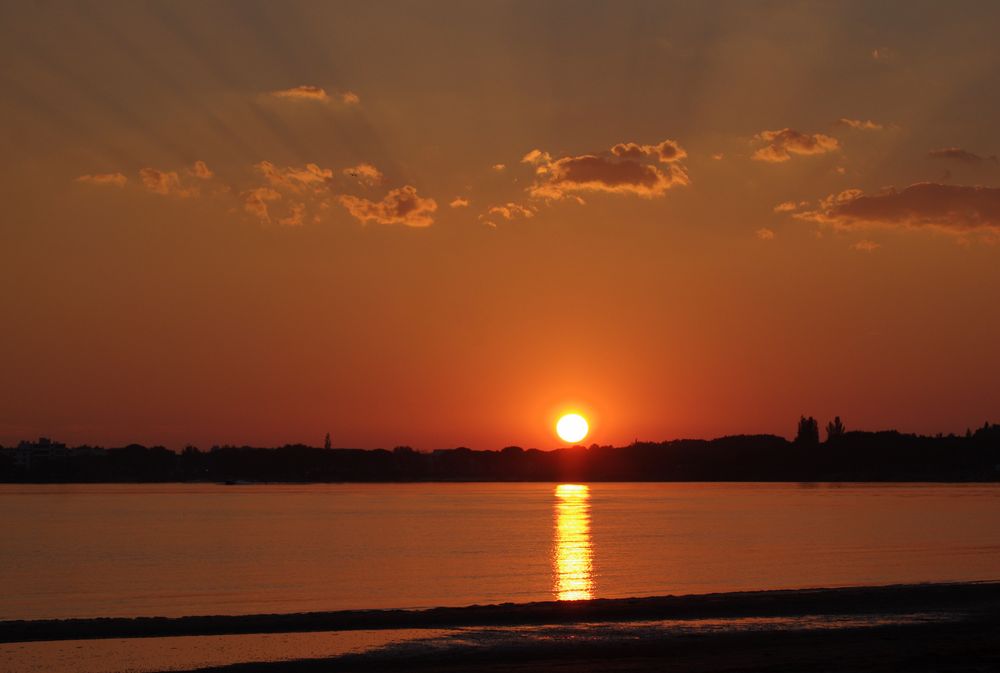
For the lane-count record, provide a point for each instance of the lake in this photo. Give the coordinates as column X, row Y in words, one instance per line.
column 186, row 549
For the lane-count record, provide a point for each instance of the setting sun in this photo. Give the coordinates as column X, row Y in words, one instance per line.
column 572, row 428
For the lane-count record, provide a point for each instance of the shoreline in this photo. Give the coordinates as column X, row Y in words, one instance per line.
column 964, row 597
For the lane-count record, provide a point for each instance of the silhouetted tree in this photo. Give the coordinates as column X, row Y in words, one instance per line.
column 326, row 442
column 835, row 429
column 808, row 433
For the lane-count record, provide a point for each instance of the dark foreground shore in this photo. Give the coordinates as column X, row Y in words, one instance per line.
column 968, row 646
column 933, row 627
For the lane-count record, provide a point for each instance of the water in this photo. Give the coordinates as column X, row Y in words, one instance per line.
column 128, row 550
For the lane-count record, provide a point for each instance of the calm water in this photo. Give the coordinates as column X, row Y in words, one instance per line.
column 129, row 550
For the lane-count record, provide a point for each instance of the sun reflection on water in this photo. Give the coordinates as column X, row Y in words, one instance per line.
column 573, row 556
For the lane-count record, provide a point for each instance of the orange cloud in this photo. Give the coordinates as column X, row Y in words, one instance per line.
column 789, row 206
column 958, row 154
column 626, row 169
column 104, row 179
column 951, row 208
column 201, row 170
column 511, row 211
column 765, row 234
column 255, row 201
column 167, row 183
column 884, row 54
column 860, row 125
column 296, row 217
column 314, row 93
column 400, row 206
column 666, row 151
column 499, row 167
column 295, row 179
column 866, row 246
column 303, row 92
column 536, row 157
column 459, row 202
column 782, row 144
column 366, row 174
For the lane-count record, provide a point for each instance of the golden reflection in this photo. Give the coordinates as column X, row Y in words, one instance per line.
column 573, row 556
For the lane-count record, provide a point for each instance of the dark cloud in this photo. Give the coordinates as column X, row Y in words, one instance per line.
column 963, row 156
column 400, row 206
column 953, row 208
column 628, row 168
column 780, row 145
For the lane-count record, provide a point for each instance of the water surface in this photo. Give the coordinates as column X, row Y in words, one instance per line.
column 172, row 550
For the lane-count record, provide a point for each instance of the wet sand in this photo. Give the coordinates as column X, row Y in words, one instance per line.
column 934, row 627
column 968, row 646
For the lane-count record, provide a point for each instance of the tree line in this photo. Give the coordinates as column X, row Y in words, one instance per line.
column 843, row 456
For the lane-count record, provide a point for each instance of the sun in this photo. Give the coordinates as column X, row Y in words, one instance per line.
column 572, row 428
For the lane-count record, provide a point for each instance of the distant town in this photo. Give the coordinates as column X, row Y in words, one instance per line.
column 842, row 456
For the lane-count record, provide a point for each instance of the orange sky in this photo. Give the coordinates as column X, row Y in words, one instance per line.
column 441, row 224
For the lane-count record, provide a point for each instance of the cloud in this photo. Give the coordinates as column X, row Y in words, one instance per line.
column 296, row 217
column 104, row 179
column 964, row 156
column 859, row 125
column 459, row 202
column 255, row 201
column 866, row 246
column 167, row 183
column 950, row 208
column 366, row 174
column 536, row 158
column 295, row 179
column 303, row 92
column 884, row 54
column 400, row 206
column 765, row 234
column 780, row 145
column 511, row 211
column 628, row 168
column 201, row 170
column 499, row 167
column 666, row 151
column 317, row 94
column 789, row 206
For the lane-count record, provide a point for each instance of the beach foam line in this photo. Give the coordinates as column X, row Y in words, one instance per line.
column 891, row 599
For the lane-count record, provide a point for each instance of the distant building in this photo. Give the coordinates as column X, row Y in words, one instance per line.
column 28, row 453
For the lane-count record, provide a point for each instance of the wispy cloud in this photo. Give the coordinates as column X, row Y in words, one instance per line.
column 780, row 145
column 960, row 155
column 315, row 94
column 765, row 234
column 866, row 246
column 293, row 178
column 166, row 183
column 255, row 201
column 789, row 206
column 859, row 124
column 459, row 202
column 104, row 179
column 201, row 170
column 511, row 211
column 365, row 174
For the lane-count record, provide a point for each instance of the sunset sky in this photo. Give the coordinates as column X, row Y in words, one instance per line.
column 444, row 223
